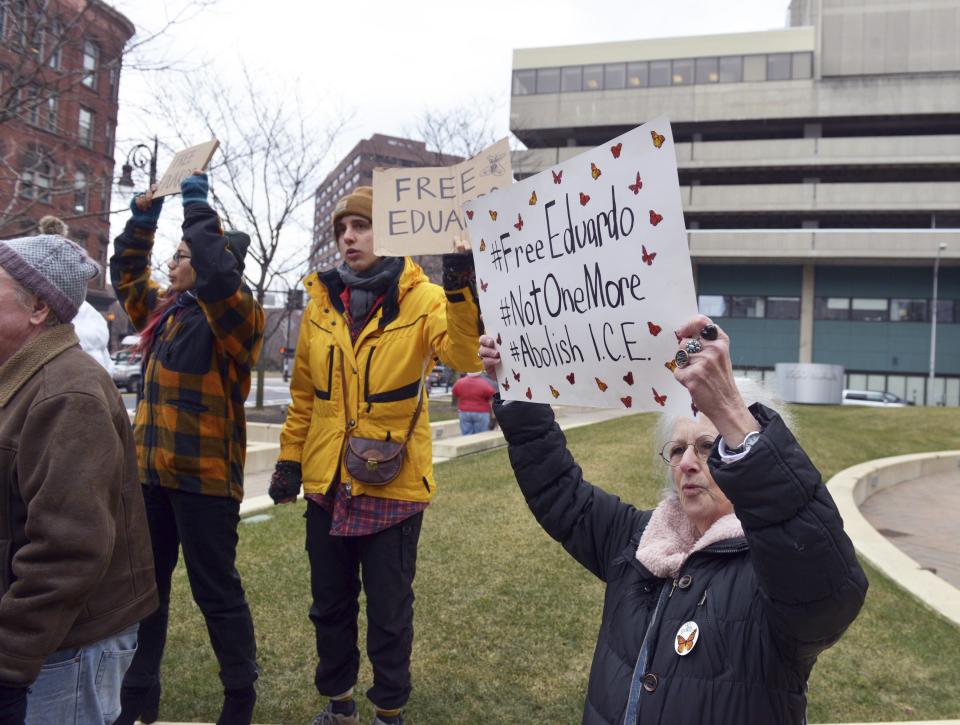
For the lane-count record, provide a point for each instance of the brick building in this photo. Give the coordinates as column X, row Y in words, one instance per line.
column 59, row 78
column 356, row 169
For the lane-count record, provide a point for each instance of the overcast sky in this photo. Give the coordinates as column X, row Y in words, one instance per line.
column 384, row 63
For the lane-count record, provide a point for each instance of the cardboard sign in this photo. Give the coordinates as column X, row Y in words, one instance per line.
column 584, row 272
column 419, row 210
column 184, row 164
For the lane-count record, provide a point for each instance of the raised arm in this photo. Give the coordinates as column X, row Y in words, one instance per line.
column 452, row 328
column 130, row 263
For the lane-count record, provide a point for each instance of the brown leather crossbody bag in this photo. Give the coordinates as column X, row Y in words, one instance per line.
column 375, row 462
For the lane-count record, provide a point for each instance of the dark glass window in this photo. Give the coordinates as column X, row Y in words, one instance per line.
column 746, row 306
column 637, row 75
column 783, row 308
column 707, row 70
column 731, row 69
column 908, row 310
column 524, row 82
column 779, row 66
column 615, row 75
column 947, row 311
column 754, row 68
column 548, row 80
column 831, row 308
column 592, row 77
column 802, row 66
column 713, row 305
column 659, row 73
column 682, row 72
column 570, row 79
column 869, row 309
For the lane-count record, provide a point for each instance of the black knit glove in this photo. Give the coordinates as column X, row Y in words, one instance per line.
column 13, row 705
column 285, row 482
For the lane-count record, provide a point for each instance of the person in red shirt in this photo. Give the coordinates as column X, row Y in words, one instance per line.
column 473, row 394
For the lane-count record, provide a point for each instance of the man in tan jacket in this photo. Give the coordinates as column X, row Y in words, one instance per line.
column 76, row 569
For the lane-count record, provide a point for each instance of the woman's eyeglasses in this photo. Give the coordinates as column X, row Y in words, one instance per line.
column 178, row 255
column 672, row 451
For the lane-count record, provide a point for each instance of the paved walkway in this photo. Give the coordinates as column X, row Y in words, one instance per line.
column 920, row 518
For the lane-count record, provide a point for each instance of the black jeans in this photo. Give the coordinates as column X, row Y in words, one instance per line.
column 206, row 528
column 387, row 562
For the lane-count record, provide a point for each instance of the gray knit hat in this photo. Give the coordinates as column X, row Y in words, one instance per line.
column 53, row 268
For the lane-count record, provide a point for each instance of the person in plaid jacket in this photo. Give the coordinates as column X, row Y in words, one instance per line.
column 200, row 339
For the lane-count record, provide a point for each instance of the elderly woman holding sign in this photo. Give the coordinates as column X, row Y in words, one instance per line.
column 720, row 599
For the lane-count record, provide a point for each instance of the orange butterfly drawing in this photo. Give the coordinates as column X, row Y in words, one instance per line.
column 594, row 171
column 658, row 138
column 627, row 401
column 655, row 218
column 484, row 285
column 533, row 198
column 499, row 341
column 615, row 150
column 469, row 214
column 661, row 399
column 483, row 245
column 670, row 365
column 635, row 188
column 519, row 224
column 516, row 375
column 584, row 198
column 529, row 394
column 571, row 378
column 654, row 328
column 628, row 378
column 505, row 384
column 493, row 215
column 602, row 385
column 646, row 256
column 557, row 176
column 685, row 645
column 554, row 392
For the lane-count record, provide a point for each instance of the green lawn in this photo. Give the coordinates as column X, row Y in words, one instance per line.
column 506, row 621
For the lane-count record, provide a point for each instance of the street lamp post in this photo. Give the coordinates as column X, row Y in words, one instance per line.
column 141, row 157
column 933, row 325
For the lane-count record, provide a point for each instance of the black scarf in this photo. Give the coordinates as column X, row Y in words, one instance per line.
column 366, row 286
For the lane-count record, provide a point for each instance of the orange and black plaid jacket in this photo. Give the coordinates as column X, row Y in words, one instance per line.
column 190, row 426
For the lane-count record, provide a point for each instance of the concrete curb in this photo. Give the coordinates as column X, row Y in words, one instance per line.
column 854, row 485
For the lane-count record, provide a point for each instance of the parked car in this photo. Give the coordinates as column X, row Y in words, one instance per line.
column 126, row 370
column 873, row 398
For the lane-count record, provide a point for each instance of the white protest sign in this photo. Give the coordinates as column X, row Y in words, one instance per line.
column 584, row 273
column 419, row 210
column 183, row 165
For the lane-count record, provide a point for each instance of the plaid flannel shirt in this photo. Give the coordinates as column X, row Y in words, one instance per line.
column 190, row 426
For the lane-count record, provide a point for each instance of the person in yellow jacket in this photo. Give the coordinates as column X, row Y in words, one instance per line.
column 368, row 338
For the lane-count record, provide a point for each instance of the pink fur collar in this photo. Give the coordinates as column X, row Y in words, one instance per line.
column 670, row 537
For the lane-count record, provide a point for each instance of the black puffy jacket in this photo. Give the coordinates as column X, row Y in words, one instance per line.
column 766, row 604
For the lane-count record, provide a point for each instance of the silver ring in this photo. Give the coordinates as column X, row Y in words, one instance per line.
column 681, row 358
column 693, row 346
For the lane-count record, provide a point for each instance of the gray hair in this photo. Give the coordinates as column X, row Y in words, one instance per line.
column 752, row 391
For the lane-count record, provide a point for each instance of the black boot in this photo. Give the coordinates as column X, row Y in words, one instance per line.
column 141, row 703
column 237, row 706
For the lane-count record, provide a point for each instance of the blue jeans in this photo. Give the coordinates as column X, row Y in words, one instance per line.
column 474, row 423
column 81, row 686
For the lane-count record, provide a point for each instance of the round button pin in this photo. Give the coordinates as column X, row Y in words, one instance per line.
column 687, row 637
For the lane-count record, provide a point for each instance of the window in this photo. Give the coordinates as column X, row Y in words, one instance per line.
column 831, row 308
column 615, row 75
column 713, row 305
column 946, row 311
column 682, row 72
column 114, row 77
column 592, row 77
column 802, row 66
column 783, row 308
column 869, row 309
column 56, row 42
column 90, row 56
column 111, row 132
column 32, row 110
column 779, row 66
column 731, row 69
column 755, row 68
column 80, row 191
column 908, row 310
column 37, row 179
column 570, row 79
column 548, row 80
column 707, row 70
column 659, row 73
column 746, row 306
column 85, row 127
column 637, row 75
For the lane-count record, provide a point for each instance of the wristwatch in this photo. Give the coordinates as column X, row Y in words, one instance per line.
column 751, row 438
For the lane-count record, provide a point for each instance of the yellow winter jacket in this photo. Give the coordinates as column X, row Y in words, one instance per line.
column 417, row 321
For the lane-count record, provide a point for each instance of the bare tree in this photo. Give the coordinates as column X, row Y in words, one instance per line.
column 264, row 176
column 462, row 131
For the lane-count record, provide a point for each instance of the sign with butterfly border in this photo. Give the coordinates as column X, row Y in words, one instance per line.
column 584, row 272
